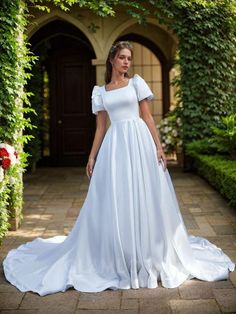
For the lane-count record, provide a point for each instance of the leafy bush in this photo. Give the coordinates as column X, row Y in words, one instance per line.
column 203, row 146
column 219, row 172
column 224, row 138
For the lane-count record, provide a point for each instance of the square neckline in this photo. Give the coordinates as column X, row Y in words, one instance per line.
column 107, row 91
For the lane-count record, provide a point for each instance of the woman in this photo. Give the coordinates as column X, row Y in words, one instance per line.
column 130, row 232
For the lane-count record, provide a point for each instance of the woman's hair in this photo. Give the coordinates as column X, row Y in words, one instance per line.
column 119, row 45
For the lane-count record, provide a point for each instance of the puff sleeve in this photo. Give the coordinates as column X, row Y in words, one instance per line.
column 97, row 102
column 142, row 89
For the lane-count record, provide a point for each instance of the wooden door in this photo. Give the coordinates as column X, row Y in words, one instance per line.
column 72, row 122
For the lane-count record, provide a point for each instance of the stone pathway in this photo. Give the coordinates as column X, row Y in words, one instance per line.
column 53, row 198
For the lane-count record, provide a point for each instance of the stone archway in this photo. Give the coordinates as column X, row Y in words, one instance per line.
column 155, row 37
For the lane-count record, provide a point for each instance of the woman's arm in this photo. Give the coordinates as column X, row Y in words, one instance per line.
column 147, row 117
column 101, row 122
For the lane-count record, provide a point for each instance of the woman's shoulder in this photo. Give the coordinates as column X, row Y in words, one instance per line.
column 136, row 77
column 138, row 80
column 142, row 88
column 96, row 91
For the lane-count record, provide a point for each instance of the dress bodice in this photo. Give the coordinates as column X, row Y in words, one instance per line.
column 121, row 103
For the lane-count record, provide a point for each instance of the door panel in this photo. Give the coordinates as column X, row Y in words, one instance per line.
column 72, row 122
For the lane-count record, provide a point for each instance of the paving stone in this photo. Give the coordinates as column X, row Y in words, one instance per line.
column 10, row 300
column 158, row 293
column 194, row 210
column 55, row 302
column 56, row 310
column 224, row 230
column 8, row 241
column 121, row 311
column 217, row 219
column 226, row 298
column 205, row 228
column 154, row 305
column 228, row 212
column 231, row 254
column 129, row 304
column 221, row 284
column 232, row 277
column 196, row 290
column 18, row 312
column 101, row 300
column 7, row 287
column 194, row 307
column 84, row 187
column 225, row 242
column 72, row 212
column 190, row 221
column 49, row 234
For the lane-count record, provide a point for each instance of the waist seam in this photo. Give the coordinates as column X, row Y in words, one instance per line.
column 124, row 120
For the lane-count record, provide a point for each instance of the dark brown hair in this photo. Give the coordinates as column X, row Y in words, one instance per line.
column 119, row 45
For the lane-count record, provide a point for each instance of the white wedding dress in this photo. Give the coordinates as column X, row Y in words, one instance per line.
column 130, row 232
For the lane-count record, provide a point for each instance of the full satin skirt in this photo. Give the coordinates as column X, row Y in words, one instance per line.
column 129, row 234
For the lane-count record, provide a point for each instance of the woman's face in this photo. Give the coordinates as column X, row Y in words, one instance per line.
column 122, row 61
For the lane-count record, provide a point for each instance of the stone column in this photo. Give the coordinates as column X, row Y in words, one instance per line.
column 100, row 70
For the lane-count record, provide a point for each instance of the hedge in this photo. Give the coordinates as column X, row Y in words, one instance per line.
column 220, row 172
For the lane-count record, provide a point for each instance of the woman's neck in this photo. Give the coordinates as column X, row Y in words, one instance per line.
column 117, row 78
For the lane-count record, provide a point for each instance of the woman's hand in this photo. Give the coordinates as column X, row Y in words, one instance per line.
column 162, row 158
column 148, row 118
column 89, row 167
column 98, row 138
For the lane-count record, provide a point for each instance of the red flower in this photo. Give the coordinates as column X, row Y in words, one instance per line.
column 4, row 152
column 6, row 162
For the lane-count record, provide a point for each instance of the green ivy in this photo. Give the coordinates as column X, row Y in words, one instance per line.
column 206, row 57
column 4, row 214
column 33, row 148
column 15, row 63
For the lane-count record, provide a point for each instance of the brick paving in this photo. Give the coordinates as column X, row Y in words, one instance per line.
column 53, row 198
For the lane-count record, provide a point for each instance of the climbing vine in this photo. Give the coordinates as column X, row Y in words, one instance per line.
column 33, row 147
column 206, row 33
column 15, row 62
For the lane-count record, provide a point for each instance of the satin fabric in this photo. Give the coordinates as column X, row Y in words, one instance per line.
column 130, row 232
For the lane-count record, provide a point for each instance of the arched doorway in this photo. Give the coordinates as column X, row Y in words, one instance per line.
column 66, row 62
